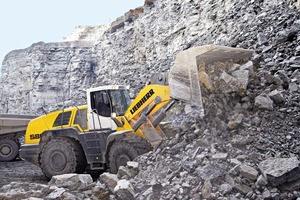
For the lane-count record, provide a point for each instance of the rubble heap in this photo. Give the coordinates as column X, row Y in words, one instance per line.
column 247, row 145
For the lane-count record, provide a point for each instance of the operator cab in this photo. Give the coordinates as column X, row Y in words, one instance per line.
column 105, row 101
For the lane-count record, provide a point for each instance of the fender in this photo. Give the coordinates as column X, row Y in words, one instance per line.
column 114, row 137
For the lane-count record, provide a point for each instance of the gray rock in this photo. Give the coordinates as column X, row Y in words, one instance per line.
column 290, row 186
column 133, row 165
column 72, row 181
column 262, row 39
column 70, row 196
column 57, row 193
column 235, row 161
column 240, row 140
column 188, row 108
column 22, row 190
column 266, row 194
column 280, row 170
column 243, row 78
column 235, row 121
column 243, row 188
column 126, row 172
column 248, row 172
column 293, row 87
column 261, row 181
column 147, row 192
column 225, row 188
column 249, row 67
column 264, row 102
column 124, row 190
column 220, row 156
column 276, row 96
column 99, row 191
column 206, row 189
column 210, row 171
column 110, row 180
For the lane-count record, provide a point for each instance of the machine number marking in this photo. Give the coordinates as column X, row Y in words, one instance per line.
column 34, row 136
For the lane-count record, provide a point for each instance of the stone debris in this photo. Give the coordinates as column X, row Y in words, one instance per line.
column 264, row 102
column 248, row 172
column 276, row 96
column 206, row 190
column 247, row 144
column 110, row 180
column 124, row 190
column 73, row 181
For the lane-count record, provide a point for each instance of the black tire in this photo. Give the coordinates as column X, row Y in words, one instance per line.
column 141, row 145
column 9, row 150
column 120, row 153
column 62, row 156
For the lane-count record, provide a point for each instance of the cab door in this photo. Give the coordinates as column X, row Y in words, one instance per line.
column 100, row 109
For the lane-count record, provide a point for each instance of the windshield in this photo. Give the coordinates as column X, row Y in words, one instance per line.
column 120, row 101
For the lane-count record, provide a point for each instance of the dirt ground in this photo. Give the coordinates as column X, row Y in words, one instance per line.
column 20, row 171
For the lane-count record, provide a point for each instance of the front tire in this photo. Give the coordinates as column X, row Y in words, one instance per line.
column 62, row 156
column 9, row 150
column 120, row 153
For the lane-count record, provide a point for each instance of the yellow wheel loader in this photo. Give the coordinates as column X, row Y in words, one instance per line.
column 111, row 129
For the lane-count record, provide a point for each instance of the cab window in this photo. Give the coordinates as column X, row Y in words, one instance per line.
column 81, row 118
column 120, row 101
column 100, row 103
column 62, row 119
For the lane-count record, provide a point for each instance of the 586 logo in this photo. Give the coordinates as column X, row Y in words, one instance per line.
column 34, row 136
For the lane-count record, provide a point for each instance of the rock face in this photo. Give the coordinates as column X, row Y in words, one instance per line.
column 86, row 33
column 47, row 76
column 250, row 123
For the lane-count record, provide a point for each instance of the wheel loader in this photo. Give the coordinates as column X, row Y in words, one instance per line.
column 111, row 129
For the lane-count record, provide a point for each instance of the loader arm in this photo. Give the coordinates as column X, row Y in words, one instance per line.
column 147, row 111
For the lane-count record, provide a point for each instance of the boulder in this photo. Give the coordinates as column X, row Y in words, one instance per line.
column 110, row 180
column 280, row 170
column 124, row 190
column 72, row 181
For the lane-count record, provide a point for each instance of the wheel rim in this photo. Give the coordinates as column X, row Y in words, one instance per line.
column 58, row 161
column 122, row 160
column 5, row 150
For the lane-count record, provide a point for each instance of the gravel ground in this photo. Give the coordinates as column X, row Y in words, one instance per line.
column 20, row 170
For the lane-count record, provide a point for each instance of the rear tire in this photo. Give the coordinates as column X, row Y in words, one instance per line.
column 62, row 156
column 9, row 150
column 120, row 153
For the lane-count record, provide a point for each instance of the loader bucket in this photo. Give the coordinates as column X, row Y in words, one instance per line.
column 184, row 74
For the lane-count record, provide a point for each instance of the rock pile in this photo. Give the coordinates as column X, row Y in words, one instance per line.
column 247, row 145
